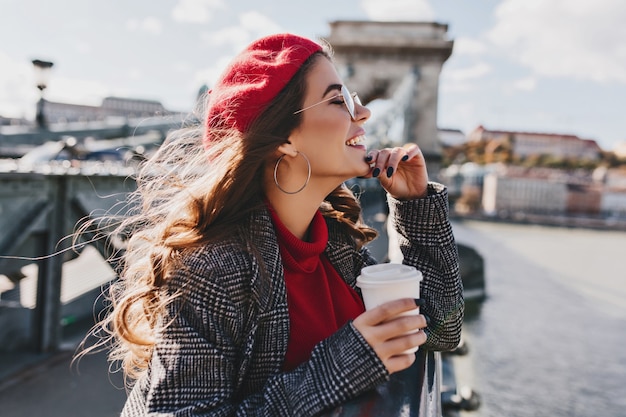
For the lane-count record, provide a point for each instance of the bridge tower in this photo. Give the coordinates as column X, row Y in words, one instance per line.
column 375, row 57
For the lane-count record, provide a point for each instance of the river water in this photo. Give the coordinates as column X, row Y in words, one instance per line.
column 550, row 339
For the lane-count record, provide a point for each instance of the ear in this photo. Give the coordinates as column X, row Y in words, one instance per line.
column 288, row 148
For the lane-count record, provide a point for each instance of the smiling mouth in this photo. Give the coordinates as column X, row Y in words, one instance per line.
column 356, row 140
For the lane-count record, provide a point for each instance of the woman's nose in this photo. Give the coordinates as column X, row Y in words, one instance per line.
column 362, row 113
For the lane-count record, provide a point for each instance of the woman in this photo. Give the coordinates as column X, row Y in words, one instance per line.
column 238, row 291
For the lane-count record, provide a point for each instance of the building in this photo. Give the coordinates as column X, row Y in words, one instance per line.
column 515, row 191
column 451, row 137
column 111, row 107
column 525, row 144
column 613, row 203
column 510, row 191
column 115, row 118
column 13, row 121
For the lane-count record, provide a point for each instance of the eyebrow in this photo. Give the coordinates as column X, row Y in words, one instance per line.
column 331, row 88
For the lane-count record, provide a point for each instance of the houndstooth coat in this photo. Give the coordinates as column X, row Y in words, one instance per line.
column 222, row 353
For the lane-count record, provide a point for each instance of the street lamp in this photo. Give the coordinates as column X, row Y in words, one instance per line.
column 42, row 69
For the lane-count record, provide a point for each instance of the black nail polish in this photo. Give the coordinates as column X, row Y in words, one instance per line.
column 376, row 172
column 368, row 158
column 419, row 302
column 389, row 172
column 405, row 158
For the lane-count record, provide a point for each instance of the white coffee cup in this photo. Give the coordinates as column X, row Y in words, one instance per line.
column 389, row 281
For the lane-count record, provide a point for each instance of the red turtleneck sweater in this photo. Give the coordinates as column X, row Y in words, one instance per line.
column 319, row 300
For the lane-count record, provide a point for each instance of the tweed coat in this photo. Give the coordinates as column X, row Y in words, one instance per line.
column 222, row 352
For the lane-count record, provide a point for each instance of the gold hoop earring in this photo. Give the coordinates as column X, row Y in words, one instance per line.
column 308, row 175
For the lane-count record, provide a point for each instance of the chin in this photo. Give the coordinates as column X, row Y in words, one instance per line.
column 362, row 172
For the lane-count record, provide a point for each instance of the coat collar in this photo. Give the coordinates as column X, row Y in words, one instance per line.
column 340, row 249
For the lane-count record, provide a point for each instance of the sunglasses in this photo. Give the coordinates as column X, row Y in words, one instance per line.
column 348, row 99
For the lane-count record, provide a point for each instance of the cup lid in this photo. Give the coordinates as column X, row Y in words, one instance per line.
column 385, row 272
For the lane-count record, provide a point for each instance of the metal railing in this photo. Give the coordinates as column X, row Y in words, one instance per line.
column 38, row 213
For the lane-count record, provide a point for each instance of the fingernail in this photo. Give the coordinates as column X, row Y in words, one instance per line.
column 389, row 172
column 419, row 302
column 405, row 158
column 376, row 172
column 368, row 158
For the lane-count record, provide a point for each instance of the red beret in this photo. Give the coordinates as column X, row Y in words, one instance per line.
column 254, row 78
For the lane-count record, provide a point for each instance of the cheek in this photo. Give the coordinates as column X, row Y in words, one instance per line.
column 324, row 137
column 332, row 129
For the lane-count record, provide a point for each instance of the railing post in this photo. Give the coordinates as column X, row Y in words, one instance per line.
column 50, row 275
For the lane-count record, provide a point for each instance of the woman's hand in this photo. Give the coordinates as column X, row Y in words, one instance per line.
column 388, row 333
column 400, row 170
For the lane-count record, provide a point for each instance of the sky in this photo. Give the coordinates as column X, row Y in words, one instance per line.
column 556, row 66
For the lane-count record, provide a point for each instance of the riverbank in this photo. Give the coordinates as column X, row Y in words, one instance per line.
column 548, row 339
column 584, row 222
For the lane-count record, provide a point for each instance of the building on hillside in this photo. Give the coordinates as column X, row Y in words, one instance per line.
column 615, row 178
column 119, row 106
column 451, row 137
column 56, row 112
column 583, row 199
column 610, row 177
column 516, row 191
column 613, row 204
column 525, row 144
column 13, row 121
column 510, row 191
column 465, row 185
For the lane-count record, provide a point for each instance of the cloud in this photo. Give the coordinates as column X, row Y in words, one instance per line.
column 73, row 90
column 258, row 24
column 196, row 11
column 82, row 46
column 525, row 84
column 468, row 46
column 474, row 72
column 230, row 36
column 150, row 25
column 460, row 80
column 400, row 10
column 17, row 88
column 209, row 75
column 135, row 73
column 251, row 25
column 18, row 98
column 466, row 116
column 576, row 39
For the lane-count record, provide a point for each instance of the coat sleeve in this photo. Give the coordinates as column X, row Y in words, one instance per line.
column 213, row 357
column 426, row 241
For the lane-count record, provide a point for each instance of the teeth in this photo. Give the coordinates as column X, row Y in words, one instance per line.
column 354, row 141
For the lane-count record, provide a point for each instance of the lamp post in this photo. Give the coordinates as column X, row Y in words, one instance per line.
column 42, row 69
